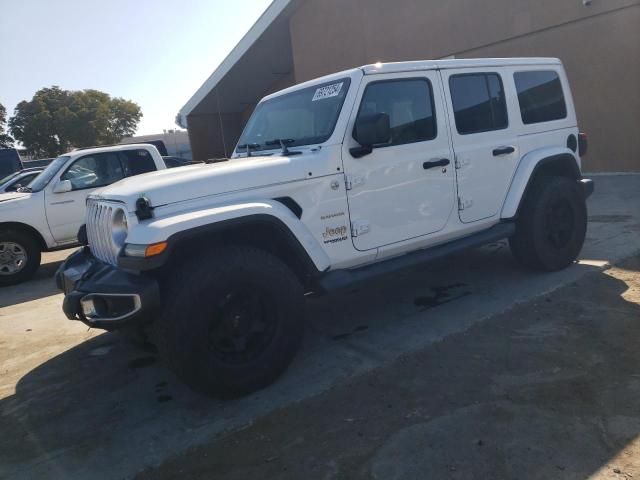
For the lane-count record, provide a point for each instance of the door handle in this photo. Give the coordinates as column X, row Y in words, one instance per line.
column 443, row 162
column 503, row 151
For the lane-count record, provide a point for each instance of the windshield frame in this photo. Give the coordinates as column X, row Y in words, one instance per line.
column 42, row 180
column 346, row 81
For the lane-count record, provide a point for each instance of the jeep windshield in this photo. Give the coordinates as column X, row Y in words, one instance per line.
column 47, row 174
column 304, row 117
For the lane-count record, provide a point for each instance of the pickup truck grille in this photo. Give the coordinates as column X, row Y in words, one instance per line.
column 99, row 221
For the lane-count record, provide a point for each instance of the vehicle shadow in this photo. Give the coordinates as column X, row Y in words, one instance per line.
column 549, row 391
column 41, row 285
column 545, row 390
column 105, row 402
column 78, row 402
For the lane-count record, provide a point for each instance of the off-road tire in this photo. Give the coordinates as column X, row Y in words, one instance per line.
column 541, row 242
column 192, row 316
column 32, row 248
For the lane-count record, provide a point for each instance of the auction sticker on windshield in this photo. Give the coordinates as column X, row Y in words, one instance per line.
column 328, row 91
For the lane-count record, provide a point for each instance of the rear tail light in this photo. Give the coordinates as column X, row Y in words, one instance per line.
column 583, row 144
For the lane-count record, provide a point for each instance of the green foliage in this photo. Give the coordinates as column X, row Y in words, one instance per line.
column 5, row 140
column 56, row 120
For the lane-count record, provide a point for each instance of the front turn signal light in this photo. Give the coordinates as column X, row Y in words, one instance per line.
column 144, row 251
column 155, row 249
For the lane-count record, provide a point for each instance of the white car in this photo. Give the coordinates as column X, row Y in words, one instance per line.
column 334, row 181
column 47, row 214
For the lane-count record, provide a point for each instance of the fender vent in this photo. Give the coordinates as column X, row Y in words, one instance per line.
column 291, row 204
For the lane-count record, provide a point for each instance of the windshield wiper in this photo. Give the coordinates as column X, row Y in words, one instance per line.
column 283, row 142
column 249, row 147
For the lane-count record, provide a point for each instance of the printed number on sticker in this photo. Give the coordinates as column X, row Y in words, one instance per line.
column 328, row 91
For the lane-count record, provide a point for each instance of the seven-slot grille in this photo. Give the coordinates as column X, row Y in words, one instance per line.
column 99, row 220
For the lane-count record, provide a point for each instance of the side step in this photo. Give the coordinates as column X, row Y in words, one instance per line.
column 339, row 279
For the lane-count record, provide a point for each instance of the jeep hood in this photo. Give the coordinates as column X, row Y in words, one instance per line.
column 186, row 183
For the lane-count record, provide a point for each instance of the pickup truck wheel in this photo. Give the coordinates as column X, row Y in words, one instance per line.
column 233, row 321
column 552, row 225
column 19, row 257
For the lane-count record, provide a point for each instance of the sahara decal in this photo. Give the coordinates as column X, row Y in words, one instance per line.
column 332, row 215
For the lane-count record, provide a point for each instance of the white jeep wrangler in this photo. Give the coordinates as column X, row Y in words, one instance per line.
column 46, row 214
column 334, row 181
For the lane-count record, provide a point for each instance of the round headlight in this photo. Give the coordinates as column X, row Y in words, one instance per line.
column 119, row 228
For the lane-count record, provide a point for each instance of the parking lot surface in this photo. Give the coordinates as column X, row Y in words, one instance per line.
column 546, row 390
column 81, row 403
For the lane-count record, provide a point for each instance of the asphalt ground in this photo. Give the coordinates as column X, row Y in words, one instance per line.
column 78, row 403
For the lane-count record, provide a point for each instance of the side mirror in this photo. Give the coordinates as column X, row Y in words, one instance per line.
column 371, row 130
column 63, row 186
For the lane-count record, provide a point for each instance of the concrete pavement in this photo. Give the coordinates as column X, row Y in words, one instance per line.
column 546, row 390
column 78, row 403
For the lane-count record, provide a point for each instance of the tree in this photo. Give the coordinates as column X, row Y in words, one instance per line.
column 56, row 120
column 5, row 140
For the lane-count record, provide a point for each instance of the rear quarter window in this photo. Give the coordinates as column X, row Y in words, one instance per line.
column 540, row 96
column 136, row 162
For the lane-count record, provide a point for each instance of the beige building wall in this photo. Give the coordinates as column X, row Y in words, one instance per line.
column 599, row 45
column 603, row 66
column 214, row 136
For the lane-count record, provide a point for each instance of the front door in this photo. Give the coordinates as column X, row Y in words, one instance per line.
column 403, row 189
column 486, row 146
column 66, row 211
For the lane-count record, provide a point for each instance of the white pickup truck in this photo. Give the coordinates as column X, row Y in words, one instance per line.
column 48, row 213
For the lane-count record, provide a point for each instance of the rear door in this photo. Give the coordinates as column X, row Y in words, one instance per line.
column 404, row 189
column 486, row 148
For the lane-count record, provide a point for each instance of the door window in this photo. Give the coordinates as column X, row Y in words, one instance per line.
column 479, row 102
column 409, row 104
column 94, row 171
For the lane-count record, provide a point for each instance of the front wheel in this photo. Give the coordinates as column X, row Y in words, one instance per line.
column 232, row 322
column 19, row 257
column 551, row 226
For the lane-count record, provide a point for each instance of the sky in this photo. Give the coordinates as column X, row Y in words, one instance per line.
column 156, row 53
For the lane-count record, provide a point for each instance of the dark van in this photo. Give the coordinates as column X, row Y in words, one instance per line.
column 9, row 161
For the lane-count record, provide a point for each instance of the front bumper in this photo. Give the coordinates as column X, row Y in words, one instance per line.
column 124, row 298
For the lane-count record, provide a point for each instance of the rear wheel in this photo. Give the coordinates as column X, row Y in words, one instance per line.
column 233, row 321
column 19, row 257
column 551, row 226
